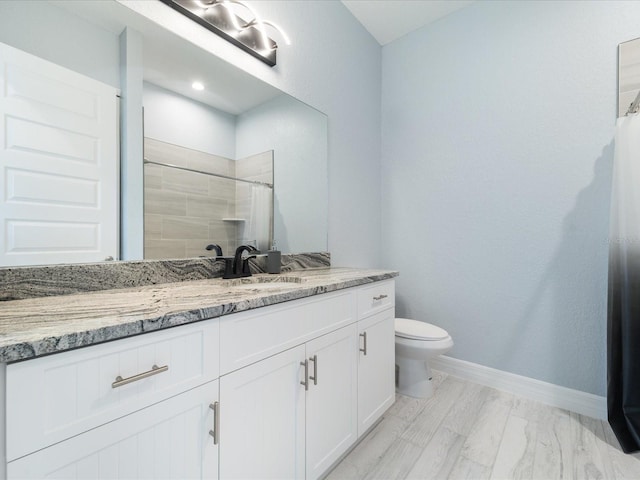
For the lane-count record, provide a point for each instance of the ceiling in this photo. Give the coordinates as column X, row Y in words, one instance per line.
column 227, row 88
column 388, row 20
column 166, row 54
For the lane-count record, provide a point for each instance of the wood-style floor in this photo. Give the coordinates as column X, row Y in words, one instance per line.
column 474, row 432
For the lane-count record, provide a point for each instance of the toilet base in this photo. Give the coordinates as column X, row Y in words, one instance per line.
column 414, row 378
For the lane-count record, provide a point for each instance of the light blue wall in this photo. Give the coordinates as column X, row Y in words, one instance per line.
column 131, row 146
column 176, row 119
column 497, row 131
column 333, row 64
column 297, row 134
column 49, row 32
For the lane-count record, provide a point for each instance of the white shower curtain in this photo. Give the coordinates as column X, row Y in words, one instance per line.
column 623, row 326
column 259, row 227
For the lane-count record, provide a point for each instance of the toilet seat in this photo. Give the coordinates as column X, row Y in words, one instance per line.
column 416, row 330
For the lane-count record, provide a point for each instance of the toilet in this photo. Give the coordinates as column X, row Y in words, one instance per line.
column 416, row 344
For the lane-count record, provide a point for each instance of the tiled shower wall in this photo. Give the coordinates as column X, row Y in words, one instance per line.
column 628, row 74
column 184, row 211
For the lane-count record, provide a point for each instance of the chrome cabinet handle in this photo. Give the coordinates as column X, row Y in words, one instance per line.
column 314, row 359
column 154, row 371
column 364, row 336
column 305, row 382
column 215, row 406
column 380, row 297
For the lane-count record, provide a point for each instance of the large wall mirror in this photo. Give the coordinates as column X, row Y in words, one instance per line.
column 251, row 160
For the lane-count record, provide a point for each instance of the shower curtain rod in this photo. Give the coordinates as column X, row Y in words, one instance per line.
column 254, row 182
column 635, row 106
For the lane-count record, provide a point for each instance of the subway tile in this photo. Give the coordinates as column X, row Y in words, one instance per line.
column 163, row 152
column 186, row 228
column 207, row 206
column 185, row 182
column 158, row 249
column 152, row 226
column 164, row 202
column 152, row 176
column 211, row 163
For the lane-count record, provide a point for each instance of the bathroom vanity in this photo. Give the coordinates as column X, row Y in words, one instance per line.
column 266, row 377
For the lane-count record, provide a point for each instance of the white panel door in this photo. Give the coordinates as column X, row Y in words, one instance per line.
column 376, row 368
column 168, row 440
column 332, row 398
column 59, row 163
column 262, row 419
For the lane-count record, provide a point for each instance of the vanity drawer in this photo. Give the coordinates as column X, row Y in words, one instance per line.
column 375, row 298
column 53, row 398
column 248, row 337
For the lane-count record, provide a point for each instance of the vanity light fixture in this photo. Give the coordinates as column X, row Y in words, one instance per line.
column 219, row 17
column 197, row 86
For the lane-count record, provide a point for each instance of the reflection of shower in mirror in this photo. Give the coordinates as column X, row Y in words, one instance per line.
column 260, row 219
column 193, row 199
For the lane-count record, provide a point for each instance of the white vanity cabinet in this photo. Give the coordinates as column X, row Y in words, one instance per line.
column 134, row 408
column 295, row 411
column 276, row 392
column 262, row 419
column 170, row 439
column 376, row 362
column 332, row 398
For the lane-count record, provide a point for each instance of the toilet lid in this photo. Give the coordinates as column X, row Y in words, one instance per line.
column 416, row 330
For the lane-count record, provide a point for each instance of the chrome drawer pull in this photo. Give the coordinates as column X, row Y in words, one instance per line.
column 364, row 336
column 380, row 297
column 314, row 359
column 154, row 371
column 215, row 406
column 305, row 382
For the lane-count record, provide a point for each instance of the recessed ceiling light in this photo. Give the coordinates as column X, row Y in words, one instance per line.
column 197, row 86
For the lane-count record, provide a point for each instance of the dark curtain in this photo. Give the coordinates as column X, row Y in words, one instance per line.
column 623, row 323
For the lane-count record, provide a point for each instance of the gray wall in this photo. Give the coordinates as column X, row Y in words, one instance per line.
column 497, row 147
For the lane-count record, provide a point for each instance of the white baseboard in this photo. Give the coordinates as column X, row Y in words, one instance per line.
column 574, row 400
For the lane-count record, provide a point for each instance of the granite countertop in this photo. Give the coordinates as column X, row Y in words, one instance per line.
column 34, row 327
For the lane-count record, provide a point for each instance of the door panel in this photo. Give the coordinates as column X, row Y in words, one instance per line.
column 59, row 164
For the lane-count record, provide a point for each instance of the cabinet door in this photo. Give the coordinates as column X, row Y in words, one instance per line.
column 376, row 368
column 332, row 398
column 167, row 440
column 262, row 415
column 56, row 397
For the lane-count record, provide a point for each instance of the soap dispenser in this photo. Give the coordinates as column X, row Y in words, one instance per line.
column 273, row 259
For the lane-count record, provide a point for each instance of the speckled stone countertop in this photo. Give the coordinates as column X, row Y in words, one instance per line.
column 34, row 327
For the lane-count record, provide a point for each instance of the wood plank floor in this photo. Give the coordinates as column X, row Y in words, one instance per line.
column 468, row 431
